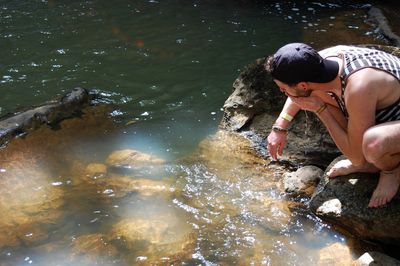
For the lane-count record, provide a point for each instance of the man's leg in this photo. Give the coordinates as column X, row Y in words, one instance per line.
column 381, row 147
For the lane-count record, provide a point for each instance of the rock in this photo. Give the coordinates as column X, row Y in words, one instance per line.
column 30, row 206
column 49, row 113
column 303, row 181
column 375, row 258
column 336, row 254
column 377, row 18
column 343, row 201
column 92, row 249
column 162, row 239
column 132, row 158
column 331, row 207
column 274, row 215
column 96, row 168
column 119, row 186
column 8, row 237
column 250, row 97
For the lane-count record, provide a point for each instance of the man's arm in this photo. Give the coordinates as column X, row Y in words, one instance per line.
column 291, row 109
column 277, row 139
column 361, row 98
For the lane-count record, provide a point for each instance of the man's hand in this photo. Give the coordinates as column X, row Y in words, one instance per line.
column 276, row 143
column 311, row 103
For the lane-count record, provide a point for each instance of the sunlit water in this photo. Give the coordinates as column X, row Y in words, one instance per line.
column 167, row 67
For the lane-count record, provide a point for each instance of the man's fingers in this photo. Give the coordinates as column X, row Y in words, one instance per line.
column 273, row 150
column 280, row 150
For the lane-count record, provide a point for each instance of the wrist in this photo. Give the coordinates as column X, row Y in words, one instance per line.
column 286, row 116
column 279, row 129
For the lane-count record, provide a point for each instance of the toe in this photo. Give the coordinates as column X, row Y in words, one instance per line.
column 380, row 202
column 371, row 203
column 374, row 201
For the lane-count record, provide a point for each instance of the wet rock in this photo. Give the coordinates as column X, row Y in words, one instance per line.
column 162, row 239
column 274, row 215
column 231, row 156
column 30, row 206
column 344, row 202
column 132, row 158
column 8, row 237
column 119, row 186
column 336, row 254
column 30, row 234
column 303, row 181
column 375, row 258
column 376, row 17
column 96, row 168
column 49, row 113
column 92, row 249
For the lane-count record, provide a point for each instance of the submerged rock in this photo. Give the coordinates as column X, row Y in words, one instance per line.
column 119, row 186
column 132, row 158
column 160, row 240
column 29, row 205
column 127, row 171
column 337, row 254
column 92, row 249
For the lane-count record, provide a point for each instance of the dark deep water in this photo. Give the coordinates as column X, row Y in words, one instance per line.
column 167, row 66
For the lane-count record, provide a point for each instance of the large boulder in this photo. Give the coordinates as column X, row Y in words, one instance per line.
column 250, row 97
column 344, row 202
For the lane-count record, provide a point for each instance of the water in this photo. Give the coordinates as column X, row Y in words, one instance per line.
column 167, row 67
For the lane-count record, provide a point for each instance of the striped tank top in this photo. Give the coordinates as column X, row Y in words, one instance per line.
column 356, row 58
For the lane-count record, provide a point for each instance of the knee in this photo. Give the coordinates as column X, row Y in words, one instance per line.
column 372, row 145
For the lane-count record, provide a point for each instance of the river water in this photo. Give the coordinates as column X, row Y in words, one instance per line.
column 166, row 68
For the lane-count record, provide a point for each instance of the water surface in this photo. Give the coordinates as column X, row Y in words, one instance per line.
column 166, row 67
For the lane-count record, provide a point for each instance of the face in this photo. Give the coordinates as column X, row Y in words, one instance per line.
column 299, row 90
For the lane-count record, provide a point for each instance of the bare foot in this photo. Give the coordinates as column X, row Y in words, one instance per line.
column 345, row 167
column 388, row 185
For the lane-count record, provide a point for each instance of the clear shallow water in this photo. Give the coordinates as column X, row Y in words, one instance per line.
column 168, row 67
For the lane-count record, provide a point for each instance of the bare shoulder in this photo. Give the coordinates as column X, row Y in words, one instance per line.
column 362, row 87
column 331, row 51
column 371, row 78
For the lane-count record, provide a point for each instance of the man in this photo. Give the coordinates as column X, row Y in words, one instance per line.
column 355, row 92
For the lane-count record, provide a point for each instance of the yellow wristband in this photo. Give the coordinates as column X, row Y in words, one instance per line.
column 286, row 116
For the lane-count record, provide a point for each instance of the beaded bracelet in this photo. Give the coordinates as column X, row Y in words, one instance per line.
column 279, row 129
